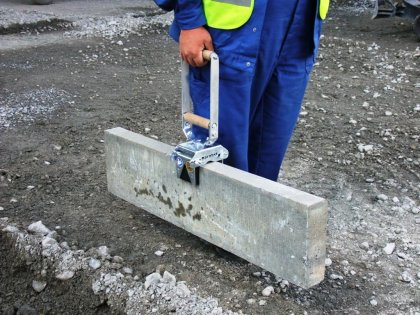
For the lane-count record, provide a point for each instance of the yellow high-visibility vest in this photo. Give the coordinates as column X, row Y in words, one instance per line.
column 323, row 8
column 231, row 14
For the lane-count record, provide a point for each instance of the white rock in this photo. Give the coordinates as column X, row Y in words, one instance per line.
column 328, row 262
column 38, row 228
column 262, row 302
column 10, row 229
column 415, row 210
column 251, row 301
column 38, row 286
column 1, row 208
column 65, row 275
column 182, row 290
column 373, row 302
column 169, row 278
column 284, row 284
column 159, row 253
column 103, row 251
column 147, row 130
column 389, row 248
column 396, row 200
column 267, row 291
column 153, row 278
column 120, row 43
column 64, row 245
column 48, row 242
column 368, row 148
column 118, row 259
column 382, row 197
column 94, row 263
column 388, row 113
column 127, row 270
column 405, row 277
column 13, row 200
column 418, row 275
column 334, row 276
column 364, row 245
column 52, row 234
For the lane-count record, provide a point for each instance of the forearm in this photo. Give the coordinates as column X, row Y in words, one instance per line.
column 189, row 14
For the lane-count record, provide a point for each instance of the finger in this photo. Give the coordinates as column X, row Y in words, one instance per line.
column 209, row 45
column 198, row 60
column 191, row 62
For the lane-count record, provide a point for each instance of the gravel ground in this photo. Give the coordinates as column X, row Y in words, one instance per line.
column 356, row 144
column 159, row 292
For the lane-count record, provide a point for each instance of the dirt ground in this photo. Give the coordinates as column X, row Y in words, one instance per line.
column 356, row 144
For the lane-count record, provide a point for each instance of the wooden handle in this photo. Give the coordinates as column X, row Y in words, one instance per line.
column 207, row 54
column 197, row 120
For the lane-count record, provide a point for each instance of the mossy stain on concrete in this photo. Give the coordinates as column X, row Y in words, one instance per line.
column 160, row 197
column 182, row 211
column 197, row 216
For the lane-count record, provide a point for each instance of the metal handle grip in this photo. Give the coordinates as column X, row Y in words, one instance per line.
column 188, row 117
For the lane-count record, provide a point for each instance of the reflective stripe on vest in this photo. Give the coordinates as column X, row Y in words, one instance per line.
column 231, row 14
column 323, row 8
column 227, row 14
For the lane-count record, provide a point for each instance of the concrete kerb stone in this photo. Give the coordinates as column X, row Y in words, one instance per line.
column 274, row 226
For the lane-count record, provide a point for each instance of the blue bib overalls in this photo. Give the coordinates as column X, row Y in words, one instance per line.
column 264, row 71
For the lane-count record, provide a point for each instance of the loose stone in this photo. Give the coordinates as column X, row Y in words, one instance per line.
column 389, row 248
column 267, row 291
column 334, row 276
column 159, row 253
column 10, row 229
column 373, row 302
column 94, row 263
column 38, row 286
column 328, row 262
column 65, row 275
column 127, row 270
column 251, row 301
column 103, row 251
column 153, row 278
column 405, row 277
column 382, row 197
column 364, row 245
column 169, row 278
column 117, row 259
column 38, row 228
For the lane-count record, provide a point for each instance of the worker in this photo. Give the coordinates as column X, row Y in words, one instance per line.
column 267, row 49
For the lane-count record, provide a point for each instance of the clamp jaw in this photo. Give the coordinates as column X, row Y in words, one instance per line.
column 190, row 155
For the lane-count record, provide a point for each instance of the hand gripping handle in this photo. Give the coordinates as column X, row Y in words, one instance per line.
column 188, row 117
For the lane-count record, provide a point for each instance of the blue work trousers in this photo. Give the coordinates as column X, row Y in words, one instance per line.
column 258, row 109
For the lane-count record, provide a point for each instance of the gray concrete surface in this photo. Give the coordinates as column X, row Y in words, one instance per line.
column 279, row 228
column 74, row 9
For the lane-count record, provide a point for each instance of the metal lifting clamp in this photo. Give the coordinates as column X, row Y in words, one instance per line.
column 190, row 155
